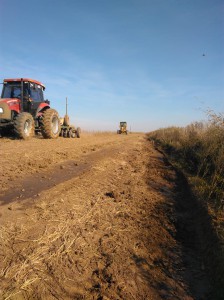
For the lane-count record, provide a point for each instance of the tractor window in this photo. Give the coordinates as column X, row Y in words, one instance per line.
column 36, row 92
column 11, row 90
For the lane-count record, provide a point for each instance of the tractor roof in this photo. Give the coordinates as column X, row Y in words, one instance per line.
column 24, row 79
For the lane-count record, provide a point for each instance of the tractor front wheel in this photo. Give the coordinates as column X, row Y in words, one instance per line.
column 50, row 124
column 24, row 126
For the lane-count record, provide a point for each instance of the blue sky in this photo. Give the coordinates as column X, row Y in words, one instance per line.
column 139, row 61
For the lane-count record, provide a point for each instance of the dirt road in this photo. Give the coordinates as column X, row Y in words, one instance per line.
column 92, row 218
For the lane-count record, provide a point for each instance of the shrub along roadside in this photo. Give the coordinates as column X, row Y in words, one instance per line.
column 198, row 151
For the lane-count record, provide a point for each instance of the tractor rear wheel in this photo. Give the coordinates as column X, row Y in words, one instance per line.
column 78, row 132
column 50, row 124
column 24, row 126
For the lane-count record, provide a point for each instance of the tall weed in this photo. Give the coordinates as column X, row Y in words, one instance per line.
column 198, row 150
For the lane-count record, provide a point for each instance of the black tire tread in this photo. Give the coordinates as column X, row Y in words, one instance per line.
column 46, row 124
column 19, row 125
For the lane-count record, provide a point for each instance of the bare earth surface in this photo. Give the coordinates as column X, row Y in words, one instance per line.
column 93, row 218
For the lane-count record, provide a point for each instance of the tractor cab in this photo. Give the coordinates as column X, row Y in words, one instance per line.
column 123, row 125
column 29, row 92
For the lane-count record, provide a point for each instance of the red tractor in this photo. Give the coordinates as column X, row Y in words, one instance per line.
column 24, row 110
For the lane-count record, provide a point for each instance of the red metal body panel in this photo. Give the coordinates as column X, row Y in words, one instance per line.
column 13, row 103
column 24, row 79
column 41, row 108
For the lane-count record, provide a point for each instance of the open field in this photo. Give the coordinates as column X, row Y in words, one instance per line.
column 100, row 217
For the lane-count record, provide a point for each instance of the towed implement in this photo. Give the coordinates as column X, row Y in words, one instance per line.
column 68, row 130
column 24, row 111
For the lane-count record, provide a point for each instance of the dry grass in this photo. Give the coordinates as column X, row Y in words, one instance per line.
column 45, row 262
column 32, row 264
column 198, row 151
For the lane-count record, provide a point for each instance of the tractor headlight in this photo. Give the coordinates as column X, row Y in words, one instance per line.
column 1, row 110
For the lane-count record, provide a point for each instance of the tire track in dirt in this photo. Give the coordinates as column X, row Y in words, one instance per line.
column 33, row 185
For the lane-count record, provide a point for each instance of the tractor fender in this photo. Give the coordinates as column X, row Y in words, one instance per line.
column 42, row 107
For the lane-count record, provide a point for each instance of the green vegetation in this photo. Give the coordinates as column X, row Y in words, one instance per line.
column 198, row 151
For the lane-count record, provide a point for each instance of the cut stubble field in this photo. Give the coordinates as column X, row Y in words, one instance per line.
column 94, row 218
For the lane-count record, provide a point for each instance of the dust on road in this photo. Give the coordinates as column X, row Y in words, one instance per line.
column 90, row 218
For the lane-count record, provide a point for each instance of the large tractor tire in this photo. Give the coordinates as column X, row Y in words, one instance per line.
column 50, row 124
column 24, row 126
column 78, row 132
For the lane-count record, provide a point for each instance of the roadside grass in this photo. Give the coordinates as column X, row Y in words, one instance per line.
column 198, row 151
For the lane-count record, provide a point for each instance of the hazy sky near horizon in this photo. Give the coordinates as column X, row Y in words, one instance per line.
column 152, row 63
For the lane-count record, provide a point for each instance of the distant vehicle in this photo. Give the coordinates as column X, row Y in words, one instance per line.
column 123, row 128
column 24, row 111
